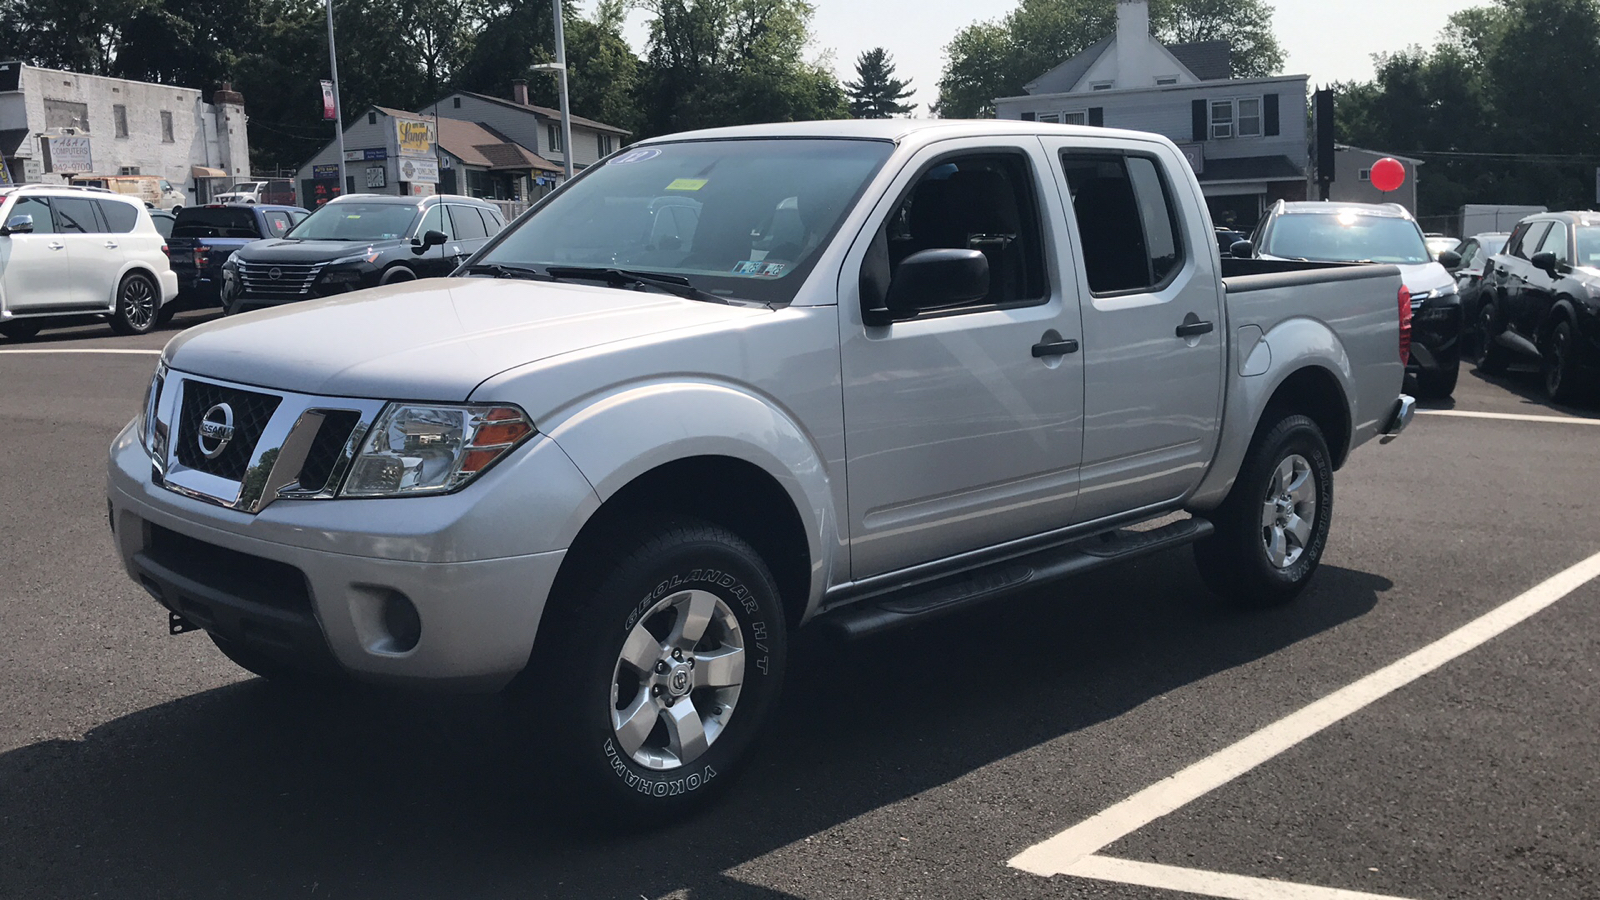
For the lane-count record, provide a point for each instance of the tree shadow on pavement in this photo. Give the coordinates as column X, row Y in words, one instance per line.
column 253, row 791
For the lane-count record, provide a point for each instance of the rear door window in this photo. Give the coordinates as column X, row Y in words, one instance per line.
column 120, row 218
column 1126, row 222
column 76, row 215
column 39, row 209
column 469, row 225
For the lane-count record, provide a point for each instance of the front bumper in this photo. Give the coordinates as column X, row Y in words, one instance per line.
column 329, row 283
column 1405, row 409
column 311, row 583
column 1435, row 337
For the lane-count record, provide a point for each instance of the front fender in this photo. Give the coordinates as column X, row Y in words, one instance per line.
column 617, row 437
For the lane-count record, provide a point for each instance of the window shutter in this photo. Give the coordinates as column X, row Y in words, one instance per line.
column 1097, row 116
column 1200, row 120
column 1269, row 115
column 1029, row 117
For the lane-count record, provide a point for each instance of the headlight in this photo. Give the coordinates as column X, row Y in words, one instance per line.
column 149, row 432
column 367, row 256
column 1436, row 294
column 432, row 449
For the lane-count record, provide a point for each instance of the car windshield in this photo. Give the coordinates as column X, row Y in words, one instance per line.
column 742, row 219
column 356, row 222
column 244, row 187
column 1589, row 245
column 1347, row 236
column 204, row 222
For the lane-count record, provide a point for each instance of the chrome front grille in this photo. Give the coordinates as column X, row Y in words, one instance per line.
column 278, row 279
column 249, row 413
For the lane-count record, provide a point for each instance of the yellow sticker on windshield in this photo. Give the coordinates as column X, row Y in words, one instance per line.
column 687, row 184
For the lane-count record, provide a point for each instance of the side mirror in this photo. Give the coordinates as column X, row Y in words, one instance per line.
column 937, row 279
column 1545, row 261
column 434, row 238
column 1450, row 260
column 22, row 224
column 1242, row 250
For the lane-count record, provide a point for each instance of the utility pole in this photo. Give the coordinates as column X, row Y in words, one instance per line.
column 566, row 114
column 338, row 110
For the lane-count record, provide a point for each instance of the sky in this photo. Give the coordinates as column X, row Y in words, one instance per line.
column 1317, row 41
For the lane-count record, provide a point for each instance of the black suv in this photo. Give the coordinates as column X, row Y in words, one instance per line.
column 359, row 241
column 1541, row 300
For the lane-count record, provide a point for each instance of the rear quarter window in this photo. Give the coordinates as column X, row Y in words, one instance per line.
column 121, row 218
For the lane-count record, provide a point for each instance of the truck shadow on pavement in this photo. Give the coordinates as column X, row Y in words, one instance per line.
column 252, row 791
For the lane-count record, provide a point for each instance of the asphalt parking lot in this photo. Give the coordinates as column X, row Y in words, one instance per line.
column 916, row 764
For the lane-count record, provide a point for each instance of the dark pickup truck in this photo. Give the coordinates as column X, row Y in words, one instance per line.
column 203, row 237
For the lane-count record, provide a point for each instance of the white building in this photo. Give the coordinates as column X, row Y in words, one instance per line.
column 113, row 126
column 1246, row 138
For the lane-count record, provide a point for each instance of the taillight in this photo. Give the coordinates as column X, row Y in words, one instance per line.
column 166, row 252
column 200, row 256
column 1405, row 326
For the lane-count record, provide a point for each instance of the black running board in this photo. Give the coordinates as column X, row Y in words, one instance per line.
column 930, row 601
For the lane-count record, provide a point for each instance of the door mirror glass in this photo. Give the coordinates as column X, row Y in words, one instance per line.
column 1242, row 249
column 1544, row 260
column 1450, row 260
column 433, row 238
column 20, row 225
column 931, row 280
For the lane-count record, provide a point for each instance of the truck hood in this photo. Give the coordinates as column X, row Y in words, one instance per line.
column 435, row 339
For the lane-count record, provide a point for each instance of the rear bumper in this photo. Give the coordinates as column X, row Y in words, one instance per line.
column 1405, row 409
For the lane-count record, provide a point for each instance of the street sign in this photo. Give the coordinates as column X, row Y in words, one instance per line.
column 68, row 154
column 419, row 171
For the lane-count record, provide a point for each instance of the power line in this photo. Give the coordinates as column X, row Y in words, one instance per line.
column 1508, row 157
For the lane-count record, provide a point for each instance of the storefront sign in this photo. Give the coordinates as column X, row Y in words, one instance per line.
column 414, row 137
column 364, row 155
column 328, row 171
column 328, row 111
column 5, row 173
column 419, row 171
column 68, row 155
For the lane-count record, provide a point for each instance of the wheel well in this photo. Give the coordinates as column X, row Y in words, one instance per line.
column 1314, row 392
column 725, row 491
column 1558, row 314
column 399, row 265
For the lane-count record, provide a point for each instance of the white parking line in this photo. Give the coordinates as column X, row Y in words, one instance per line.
column 1209, row 884
column 85, row 350
column 1064, row 853
column 1509, row 417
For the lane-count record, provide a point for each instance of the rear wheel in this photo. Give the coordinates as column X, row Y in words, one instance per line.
column 1273, row 527
column 1492, row 358
column 138, row 304
column 1559, row 382
column 20, row 330
column 656, row 669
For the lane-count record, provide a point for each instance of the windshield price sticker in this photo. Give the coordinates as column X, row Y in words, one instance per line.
column 636, row 156
column 687, row 184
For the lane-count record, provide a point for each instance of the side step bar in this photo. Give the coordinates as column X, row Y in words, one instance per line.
column 930, row 601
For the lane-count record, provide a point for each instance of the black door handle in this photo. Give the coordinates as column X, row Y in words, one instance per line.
column 1193, row 327
column 1054, row 348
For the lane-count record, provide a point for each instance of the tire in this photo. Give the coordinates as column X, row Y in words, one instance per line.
column 138, row 302
column 263, row 666
column 1439, row 383
column 1492, row 358
column 612, row 691
column 1254, row 559
column 396, row 275
column 167, row 312
column 20, row 330
column 1559, row 381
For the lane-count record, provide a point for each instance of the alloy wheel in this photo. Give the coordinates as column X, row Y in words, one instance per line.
column 138, row 303
column 1289, row 511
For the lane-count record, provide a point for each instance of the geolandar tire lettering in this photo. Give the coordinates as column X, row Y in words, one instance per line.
column 662, row 655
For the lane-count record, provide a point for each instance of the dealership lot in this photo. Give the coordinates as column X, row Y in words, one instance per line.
column 915, row 764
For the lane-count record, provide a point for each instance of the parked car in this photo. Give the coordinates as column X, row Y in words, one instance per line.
column 1541, row 302
column 1226, row 238
column 206, row 236
column 1441, row 243
column 358, row 241
column 1475, row 254
column 622, row 471
column 1383, row 233
column 164, row 220
column 73, row 251
column 279, row 191
column 155, row 192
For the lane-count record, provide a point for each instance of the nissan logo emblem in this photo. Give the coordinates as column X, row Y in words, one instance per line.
column 274, row 273
column 216, row 430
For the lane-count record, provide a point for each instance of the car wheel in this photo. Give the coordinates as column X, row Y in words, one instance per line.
column 397, row 274
column 20, row 330
column 1492, row 358
column 1558, row 381
column 263, row 666
column 137, row 305
column 1440, row 383
column 655, row 669
column 1273, row 527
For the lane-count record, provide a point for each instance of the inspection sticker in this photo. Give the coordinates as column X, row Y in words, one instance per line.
column 687, row 184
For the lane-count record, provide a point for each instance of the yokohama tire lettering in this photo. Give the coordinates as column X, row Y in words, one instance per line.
column 651, row 788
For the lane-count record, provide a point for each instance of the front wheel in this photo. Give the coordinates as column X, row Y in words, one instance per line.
column 1273, row 527
column 138, row 305
column 1493, row 359
column 1558, row 381
column 656, row 669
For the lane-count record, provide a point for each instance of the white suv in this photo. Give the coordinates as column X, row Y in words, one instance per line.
column 73, row 251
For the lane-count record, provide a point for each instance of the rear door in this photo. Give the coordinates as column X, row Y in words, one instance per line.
column 35, row 269
column 1153, row 341
column 960, row 434
column 470, row 232
column 97, row 256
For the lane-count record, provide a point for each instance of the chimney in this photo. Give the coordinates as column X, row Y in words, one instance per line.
column 519, row 91
column 1133, row 37
column 226, row 94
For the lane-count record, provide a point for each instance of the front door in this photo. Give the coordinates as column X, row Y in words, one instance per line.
column 36, row 268
column 1538, row 295
column 1153, row 332
column 433, row 262
column 962, row 427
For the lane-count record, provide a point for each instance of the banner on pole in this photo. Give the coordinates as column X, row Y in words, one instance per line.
column 328, row 113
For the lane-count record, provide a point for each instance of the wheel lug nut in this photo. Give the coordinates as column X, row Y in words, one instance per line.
column 677, row 654
column 661, row 667
column 655, row 691
column 691, row 663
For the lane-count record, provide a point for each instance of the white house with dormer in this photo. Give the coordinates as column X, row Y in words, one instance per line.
column 1246, row 137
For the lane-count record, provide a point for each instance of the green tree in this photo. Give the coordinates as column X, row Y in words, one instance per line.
column 876, row 93
column 987, row 60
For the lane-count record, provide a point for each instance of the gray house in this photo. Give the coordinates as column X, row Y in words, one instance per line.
column 538, row 128
column 1245, row 138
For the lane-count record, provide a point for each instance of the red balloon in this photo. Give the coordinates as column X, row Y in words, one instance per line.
column 1388, row 174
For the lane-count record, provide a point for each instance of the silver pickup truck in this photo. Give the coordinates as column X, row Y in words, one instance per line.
column 732, row 383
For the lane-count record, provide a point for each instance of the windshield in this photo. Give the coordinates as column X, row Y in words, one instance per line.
column 356, row 222
column 739, row 219
column 1589, row 245
column 1347, row 236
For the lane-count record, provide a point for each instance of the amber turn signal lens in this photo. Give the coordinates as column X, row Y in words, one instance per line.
column 501, row 433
